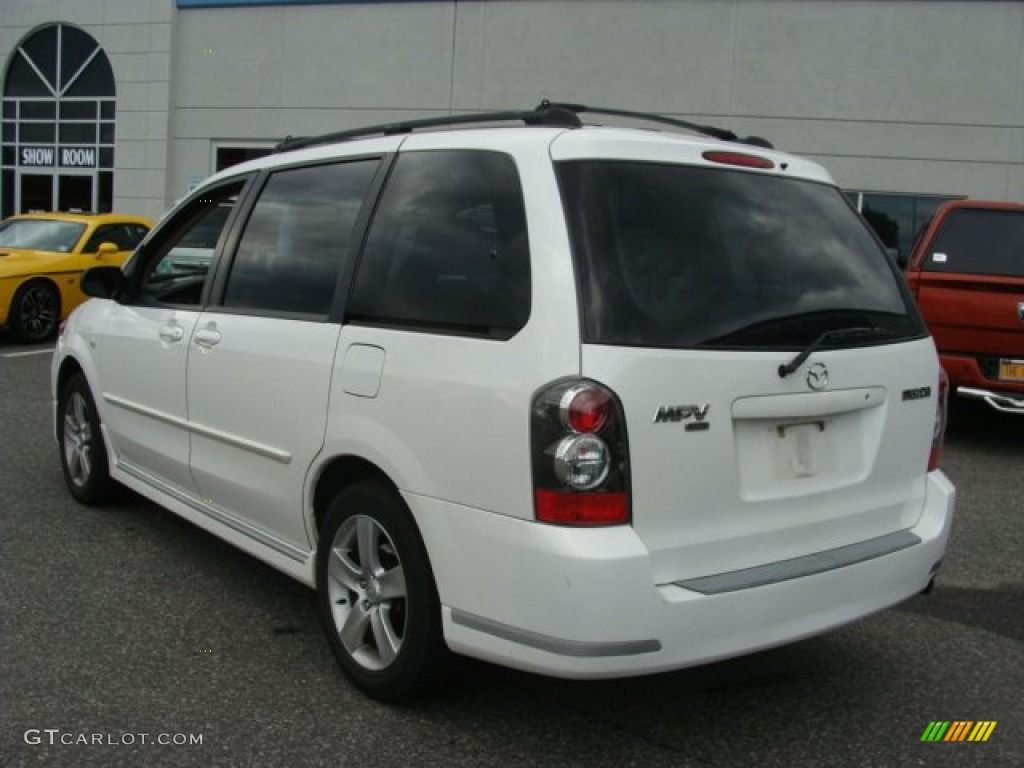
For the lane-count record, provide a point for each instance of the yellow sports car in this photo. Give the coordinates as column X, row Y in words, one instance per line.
column 42, row 257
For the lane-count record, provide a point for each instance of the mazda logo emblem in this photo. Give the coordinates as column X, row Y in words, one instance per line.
column 817, row 377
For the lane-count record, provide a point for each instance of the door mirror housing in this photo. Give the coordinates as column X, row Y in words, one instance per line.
column 103, row 282
column 106, row 249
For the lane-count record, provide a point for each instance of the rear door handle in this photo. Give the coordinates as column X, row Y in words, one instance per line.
column 172, row 332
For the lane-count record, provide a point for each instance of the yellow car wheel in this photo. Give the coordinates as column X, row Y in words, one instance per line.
column 35, row 312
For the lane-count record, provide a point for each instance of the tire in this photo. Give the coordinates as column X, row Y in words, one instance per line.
column 34, row 316
column 376, row 595
column 83, row 455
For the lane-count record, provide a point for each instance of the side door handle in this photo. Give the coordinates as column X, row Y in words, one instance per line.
column 172, row 332
column 207, row 337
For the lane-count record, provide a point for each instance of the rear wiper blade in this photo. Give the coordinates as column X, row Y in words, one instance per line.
column 837, row 334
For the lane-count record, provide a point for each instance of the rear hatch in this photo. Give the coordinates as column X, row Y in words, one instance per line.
column 696, row 283
column 969, row 282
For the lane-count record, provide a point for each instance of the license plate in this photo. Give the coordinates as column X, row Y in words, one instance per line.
column 1011, row 370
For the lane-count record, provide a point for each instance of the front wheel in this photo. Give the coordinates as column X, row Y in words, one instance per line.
column 82, row 452
column 376, row 594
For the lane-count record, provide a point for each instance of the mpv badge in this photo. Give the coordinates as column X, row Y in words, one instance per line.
column 817, row 377
column 675, row 413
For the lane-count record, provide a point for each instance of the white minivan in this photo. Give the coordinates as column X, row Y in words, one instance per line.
column 583, row 400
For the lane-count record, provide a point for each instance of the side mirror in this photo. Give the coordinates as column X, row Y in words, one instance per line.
column 103, row 282
column 106, row 249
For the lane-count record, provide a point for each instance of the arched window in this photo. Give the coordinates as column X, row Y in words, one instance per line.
column 58, row 124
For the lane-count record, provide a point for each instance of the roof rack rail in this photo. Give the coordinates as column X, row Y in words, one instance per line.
column 706, row 130
column 546, row 113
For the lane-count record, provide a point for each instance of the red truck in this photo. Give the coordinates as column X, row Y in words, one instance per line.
column 967, row 272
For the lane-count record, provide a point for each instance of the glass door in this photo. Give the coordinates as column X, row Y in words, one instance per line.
column 35, row 192
column 76, row 193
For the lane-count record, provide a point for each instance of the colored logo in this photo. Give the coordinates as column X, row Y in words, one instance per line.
column 958, row 730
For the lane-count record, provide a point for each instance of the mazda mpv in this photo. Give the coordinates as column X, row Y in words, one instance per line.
column 587, row 401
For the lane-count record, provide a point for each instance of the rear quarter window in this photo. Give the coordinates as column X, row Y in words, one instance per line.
column 978, row 242
column 447, row 250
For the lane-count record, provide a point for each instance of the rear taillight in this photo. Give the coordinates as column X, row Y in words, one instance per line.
column 941, row 416
column 579, row 455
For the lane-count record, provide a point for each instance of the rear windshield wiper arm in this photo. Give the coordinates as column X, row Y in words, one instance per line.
column 838, row 334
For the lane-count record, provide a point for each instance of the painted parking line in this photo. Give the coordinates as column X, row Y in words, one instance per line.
column 29, row 352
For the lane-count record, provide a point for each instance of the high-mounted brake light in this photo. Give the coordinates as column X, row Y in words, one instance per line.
column 579, row 455
column 941, row 418
column 738, row 158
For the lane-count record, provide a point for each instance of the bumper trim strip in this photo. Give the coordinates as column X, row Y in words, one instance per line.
column 798, row 567
column 577, row 648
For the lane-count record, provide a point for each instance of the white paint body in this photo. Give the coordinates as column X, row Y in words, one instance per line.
column 234, row 439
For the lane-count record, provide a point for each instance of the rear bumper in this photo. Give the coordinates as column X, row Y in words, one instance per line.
column 582, row 603
column 1007, row 403
column 968, row 380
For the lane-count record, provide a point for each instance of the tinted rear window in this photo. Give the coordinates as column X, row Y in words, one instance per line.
column 682, row 257
column 447, row 250
column 978, row 242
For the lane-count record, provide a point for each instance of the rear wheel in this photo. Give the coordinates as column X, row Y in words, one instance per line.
column 35, row 312
column 376, row 594
column 83, row 456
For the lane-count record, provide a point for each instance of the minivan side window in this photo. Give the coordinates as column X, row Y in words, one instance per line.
column 177, row 261
column 447, row 250
column 298, row 237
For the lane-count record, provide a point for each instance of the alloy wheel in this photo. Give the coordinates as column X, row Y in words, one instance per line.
column 38, row 312
column 77, row 439
column 367, row 592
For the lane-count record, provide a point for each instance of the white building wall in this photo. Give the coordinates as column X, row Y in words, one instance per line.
column 904, row 96
column 921, row 97
column 893, row 96
column 136, row 36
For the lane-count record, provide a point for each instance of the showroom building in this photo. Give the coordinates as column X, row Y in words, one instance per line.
column 128, row 104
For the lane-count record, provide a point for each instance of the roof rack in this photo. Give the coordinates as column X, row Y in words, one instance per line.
column 706, row 130
column 545, row 114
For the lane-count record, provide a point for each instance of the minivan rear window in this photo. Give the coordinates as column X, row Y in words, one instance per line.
column 978, row 242
column 679, row 256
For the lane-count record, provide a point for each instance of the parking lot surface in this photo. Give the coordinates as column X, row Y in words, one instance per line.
column 124, row 627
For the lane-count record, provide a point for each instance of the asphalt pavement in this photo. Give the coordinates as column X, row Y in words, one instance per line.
column 124, row 627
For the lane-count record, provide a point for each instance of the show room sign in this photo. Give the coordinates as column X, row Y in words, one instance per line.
column 66, row 157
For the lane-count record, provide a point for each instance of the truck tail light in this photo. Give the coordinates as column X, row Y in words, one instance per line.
column 579, row 455
column 941, row 417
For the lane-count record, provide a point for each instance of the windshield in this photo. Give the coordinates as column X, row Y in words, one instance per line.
column 978, row 242
column 695, row 257
column 41, row 234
